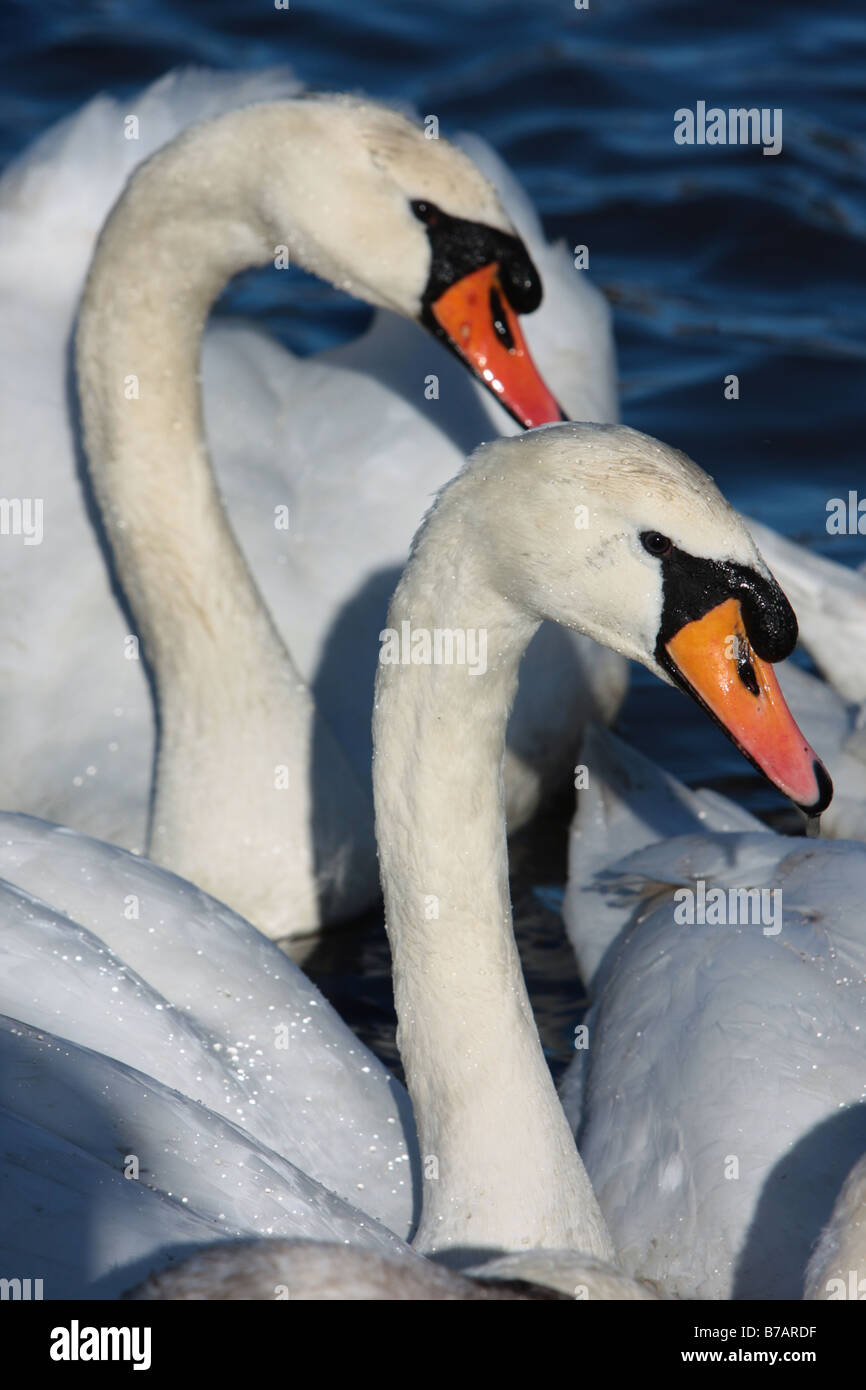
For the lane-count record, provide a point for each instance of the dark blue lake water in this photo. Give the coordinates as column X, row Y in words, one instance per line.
column 717, row 260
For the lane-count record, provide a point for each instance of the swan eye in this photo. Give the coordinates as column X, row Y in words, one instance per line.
column 656, row 543
column 426, row 212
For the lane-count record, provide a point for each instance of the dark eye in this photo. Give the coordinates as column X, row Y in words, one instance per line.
column 656, row 543
column 425, row 212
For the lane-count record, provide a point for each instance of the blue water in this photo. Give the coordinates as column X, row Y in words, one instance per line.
column 717, row 260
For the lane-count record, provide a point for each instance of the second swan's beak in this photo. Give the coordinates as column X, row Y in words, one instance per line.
column 478, row 323
column 711, row 658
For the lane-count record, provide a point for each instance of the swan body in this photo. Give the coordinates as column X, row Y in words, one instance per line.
column 107, row 1173
column 120, row 957
column 308, row 1271
column 724, row 1081
column 500, row 552
column 145, row 1023
column 571, row 1274
column 80, row 708
column 323, row 1272
column 207, row 1212
column 837, row 1269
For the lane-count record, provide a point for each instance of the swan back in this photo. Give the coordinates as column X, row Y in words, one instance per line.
column 322, row 1272
column 158, row 976
column 837, row 1269
column 723, row 1079
column 106, row 1173
column 312, row 1271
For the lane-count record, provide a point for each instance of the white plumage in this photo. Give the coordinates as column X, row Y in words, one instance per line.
column 721, row 1100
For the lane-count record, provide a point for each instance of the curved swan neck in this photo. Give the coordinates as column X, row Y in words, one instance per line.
column 501, row 1168
column 235, row 717
column 187, row 222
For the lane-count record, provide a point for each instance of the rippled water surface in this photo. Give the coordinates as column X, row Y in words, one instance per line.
column 716, row 260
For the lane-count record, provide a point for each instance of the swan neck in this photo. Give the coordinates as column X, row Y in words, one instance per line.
column 237, row 725
column 501, row 1171
column 184, row 226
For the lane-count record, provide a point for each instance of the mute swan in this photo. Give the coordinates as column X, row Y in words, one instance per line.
column 237, row 725
column 100, row 787
column 720, row 1100
column 665, row 573
column 837, row 1269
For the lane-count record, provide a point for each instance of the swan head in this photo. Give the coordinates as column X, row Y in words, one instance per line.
column 409, row 223
column 628, row 541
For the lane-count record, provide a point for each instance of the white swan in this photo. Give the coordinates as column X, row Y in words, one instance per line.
column 356, row 194
column 723, row 1080
column 666, row 574
column 261, row 405
column 501, row 1173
